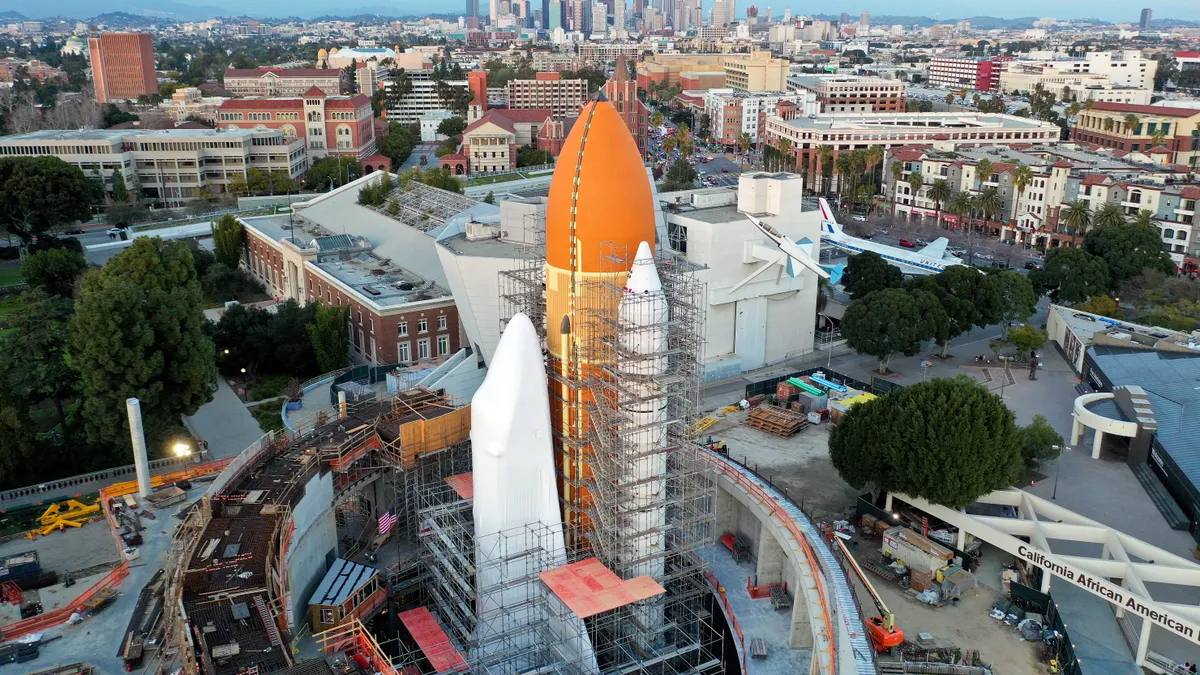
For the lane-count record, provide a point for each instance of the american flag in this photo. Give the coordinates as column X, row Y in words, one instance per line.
column 386, row 521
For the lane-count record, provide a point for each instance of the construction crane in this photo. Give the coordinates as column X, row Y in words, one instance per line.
column 882, row 629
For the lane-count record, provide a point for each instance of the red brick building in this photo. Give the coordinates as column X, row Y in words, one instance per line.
column 331, row 125
column 622, row 91
column 122, row 66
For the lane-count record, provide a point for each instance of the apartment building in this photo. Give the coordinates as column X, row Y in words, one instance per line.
column 1060, row 174
column 851, row 93
column 757, row 71
column 330, row 125
column 191, row 103
column 548, row 91
column 283, row 81
column 170, row 165
column 422, row 98
column 1126, row 68
column 965, row 72
column 122, row 66
column 732, row 113
column 1175, row 130
column 383, row 268
column 609, row 52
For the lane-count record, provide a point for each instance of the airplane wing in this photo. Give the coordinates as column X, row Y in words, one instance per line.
column 935, row 250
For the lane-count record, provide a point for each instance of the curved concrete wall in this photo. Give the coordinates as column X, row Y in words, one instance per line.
column 1099, row 422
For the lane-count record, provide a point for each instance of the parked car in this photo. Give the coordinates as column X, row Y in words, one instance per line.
column 724, row 170
column 74, row 229
column 907, row 244
column 861, row 219
column 1033, row 265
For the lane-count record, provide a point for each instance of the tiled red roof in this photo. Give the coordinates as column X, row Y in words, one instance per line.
column 525, row 116
column 282, row 72
column 1146, row 109
column 452, row 157
column 1190, row 192
column 1000, row 167
column 907, row 154
column 1094, row 179
column 351, row 102
column 314, row 91
column 1158, row 150
column 1120, row 153
column 1063, row 164
column 492, row 117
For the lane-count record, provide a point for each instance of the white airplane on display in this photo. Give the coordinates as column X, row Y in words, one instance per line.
column 929, row 260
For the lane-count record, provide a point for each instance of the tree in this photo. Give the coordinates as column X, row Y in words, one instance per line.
column 1102, row 305
column 530, row 156
column 433, row 176
column 984, row 171
column 1022, row 176
column 229, row 240
column 681, row 176
column 36, row 349
column 939, row 192
column 267, row 342
column 915, row 183
column 988, row 202
column 1039, row 442
column 656, row 119
column 1071, row 275
column 744, row 142
column 1077, row 216
column 138, row 332
column 328, row 336
column 1027, row 337
column 868, row 272
column 892, row 321
column 1131, row 123
column 17, row 443
column 490, row 198
column 120, row 193
column 1143, row 218
column 399, row 142
column 40, row 194
column 1128, row 249
column 333, row 171
column 452, row 126
column 54, row 270
column 946, row 440
column 969, row 298
column 1018, row 299
column 1108, row 215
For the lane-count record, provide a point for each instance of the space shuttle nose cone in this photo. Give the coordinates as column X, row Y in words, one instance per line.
column 643, row 276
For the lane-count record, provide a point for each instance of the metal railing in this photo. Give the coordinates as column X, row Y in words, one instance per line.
column 30, row 493
column 305, row 388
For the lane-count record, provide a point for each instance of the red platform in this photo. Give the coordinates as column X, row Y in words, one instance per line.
column 432, row 640
column 462, row 484
column 588, row 587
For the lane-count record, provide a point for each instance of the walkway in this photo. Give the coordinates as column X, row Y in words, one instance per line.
column 225, row 423
column 1094, row 633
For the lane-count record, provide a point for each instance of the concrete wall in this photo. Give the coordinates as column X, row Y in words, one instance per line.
column 313, row 539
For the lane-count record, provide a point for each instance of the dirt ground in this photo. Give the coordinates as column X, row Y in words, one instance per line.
column 798, row 465
column 801, row 466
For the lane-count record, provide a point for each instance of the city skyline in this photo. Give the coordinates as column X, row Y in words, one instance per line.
column 1105, row 10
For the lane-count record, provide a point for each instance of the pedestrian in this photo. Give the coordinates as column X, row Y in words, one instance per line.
column 1033, row 364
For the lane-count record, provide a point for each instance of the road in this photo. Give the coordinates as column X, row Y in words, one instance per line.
column 882, row 227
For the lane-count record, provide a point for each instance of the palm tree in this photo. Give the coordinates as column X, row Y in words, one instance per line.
column 984, row 171
column 656, row 119
column 1108, row 214
column 897, row 169
column 1089, row 104
column 1073, row 109
column 785, row 149
column 988, row 203
column 915, row 183
column 744, row 143
column 1077, row 216
column 874, row 159
column 669, row 143
column 1108, row 123
column 825, row 155
column 1022, row 177
column 845, row 166
column 858, row 165
column 1158, row 138
column 949, row 99
column 961, row 206
column 1131, row 123
column 939, row 192
column 1143, row 218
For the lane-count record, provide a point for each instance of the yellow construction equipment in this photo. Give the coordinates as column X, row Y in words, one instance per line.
column 701, row 425
column 62, row 515
column 729, row 409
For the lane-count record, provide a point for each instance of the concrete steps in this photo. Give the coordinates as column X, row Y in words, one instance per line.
column 1161, row 498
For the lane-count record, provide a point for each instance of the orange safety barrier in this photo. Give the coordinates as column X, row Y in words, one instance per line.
column 737, row 628
column 59, row 616
column 773, row 507
column 762, row 592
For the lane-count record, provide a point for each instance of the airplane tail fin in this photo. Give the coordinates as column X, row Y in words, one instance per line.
column 835, row 272
column 829, row 224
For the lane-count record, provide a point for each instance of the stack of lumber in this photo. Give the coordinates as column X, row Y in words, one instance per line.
column 777, row 421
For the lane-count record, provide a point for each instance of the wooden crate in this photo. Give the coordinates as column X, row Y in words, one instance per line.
column 775, row 420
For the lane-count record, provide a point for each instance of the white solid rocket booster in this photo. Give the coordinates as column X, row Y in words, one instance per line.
column 518, row 525
column 643, row 315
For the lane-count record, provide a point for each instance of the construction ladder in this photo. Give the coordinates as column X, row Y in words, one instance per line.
column 272, row 629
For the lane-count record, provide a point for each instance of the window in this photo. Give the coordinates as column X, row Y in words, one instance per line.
column 402, row 329
column 360, row 317
column 441, row 323
column 422, row 349
column 443, row 345
column 402, row 352
column 423, row 326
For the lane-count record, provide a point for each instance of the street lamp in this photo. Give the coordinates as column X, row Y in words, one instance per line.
column 1058, row 467
column 182, row 449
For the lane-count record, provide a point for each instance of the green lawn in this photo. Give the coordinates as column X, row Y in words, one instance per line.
column 11, row 274
column 267, row 386
column 267, row 414
column 489, row 180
